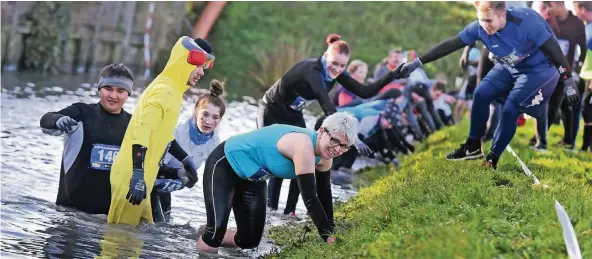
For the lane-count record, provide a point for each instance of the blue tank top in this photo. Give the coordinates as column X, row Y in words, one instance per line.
column 255, row 156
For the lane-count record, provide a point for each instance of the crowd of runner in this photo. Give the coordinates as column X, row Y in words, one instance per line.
column 531, row 61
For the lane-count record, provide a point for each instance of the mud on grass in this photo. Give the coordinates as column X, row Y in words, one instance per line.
column 433, row 208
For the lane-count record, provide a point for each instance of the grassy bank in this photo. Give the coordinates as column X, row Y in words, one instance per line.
column 433, row 208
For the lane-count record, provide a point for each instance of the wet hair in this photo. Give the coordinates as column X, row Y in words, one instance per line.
column 439, row 86
column 342, row 122
column 335, row 42
column 584, row 4
column 214, row 97
column 117, row 70
column 485, row 6
column 354, row 65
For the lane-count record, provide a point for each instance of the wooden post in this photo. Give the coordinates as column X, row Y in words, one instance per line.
column 207, row 19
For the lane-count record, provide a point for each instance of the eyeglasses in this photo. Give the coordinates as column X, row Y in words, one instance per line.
column 334, row 142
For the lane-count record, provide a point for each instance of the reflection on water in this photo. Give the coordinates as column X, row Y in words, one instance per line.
column 33, row 226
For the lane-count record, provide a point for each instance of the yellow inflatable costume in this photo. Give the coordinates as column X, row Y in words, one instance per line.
column 586, row 71
column 152, row 125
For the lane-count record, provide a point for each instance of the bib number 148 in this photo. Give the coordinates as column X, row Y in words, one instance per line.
column 102, row 156
column 107, row 155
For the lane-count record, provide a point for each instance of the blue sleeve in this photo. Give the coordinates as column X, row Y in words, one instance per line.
column 470, row 34
column 536, row 28
column 589, row 44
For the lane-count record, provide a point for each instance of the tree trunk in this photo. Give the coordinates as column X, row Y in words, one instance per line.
column 10, row 64
column 129, row 15
column 95, row 39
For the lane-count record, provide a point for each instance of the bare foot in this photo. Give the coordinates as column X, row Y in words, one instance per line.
column 228, row 240
column 203, row 247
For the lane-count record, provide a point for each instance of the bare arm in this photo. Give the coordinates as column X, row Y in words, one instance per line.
column 299, row 148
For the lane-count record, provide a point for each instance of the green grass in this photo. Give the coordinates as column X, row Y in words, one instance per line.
column 433, row 208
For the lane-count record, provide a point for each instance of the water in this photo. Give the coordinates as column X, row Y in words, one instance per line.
column 33, row 226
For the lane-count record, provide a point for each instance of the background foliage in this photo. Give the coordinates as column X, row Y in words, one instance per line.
column 48, row 40
column 371, row 28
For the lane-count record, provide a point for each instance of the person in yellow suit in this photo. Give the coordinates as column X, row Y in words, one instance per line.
column 151, row 130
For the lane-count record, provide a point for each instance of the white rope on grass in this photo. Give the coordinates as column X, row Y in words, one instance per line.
column 569, row 234
column 525, row 169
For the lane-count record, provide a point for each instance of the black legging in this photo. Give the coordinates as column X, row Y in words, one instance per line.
column 265, row 117
column 224, row 190
column 570, row 117
column 392, row 93
column 555, row 103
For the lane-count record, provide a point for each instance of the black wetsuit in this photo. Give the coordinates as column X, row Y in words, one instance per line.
column 224, row 190
column 89, row 152
column 295, row 90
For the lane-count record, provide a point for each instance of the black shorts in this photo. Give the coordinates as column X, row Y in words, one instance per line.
column 471, row 85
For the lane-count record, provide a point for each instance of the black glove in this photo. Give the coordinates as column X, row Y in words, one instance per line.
column 137, row 191
column 572, row 93
column 410, row 67
column 362, row 148
column 190, row 172
column 65, row 124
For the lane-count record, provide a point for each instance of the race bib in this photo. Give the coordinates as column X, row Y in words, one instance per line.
column 300, row 103
column 564, row 45
column 261, row 175
column 102, row 156
column 511, row 60
column 167, row 185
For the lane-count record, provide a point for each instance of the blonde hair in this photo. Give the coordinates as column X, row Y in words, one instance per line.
column 342, row 122
column 486, row 6
column 354, row 65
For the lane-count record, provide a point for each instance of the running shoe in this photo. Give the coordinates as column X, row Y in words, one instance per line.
column 464, row 152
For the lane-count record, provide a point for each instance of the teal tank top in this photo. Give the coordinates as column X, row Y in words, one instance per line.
column 255, row 156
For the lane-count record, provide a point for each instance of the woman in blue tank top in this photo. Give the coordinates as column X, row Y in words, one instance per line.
column 235, row 174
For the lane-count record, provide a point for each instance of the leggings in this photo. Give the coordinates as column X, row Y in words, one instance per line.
column 527, row 92
column 265, row 118
column 571, row 117
column 433, row 119
column 392, row 93
column 223, row 191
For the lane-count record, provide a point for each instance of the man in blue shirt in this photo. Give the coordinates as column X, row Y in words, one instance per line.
column 530, row 63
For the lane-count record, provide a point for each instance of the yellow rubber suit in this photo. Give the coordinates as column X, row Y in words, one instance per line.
column 152, row 125
column 586, row 71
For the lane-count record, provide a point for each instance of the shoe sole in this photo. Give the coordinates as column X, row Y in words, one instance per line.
column 466, row 158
